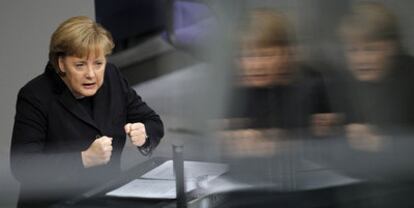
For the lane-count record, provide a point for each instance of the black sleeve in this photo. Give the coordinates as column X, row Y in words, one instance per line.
column 322, row 98
column 319, row 96
column 139, row 111
column 28, row 159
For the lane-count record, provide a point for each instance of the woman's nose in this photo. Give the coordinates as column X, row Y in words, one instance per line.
column 90, row 72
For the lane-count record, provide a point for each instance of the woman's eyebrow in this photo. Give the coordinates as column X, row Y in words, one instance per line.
column 80, row 61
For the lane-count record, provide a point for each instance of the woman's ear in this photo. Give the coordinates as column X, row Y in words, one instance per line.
column 61, row 65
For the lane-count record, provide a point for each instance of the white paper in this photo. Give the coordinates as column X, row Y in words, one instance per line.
column 223, row 184
column 193, row 170
column 145, row 188
column 159, row 183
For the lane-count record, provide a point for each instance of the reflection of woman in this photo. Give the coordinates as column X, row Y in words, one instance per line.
column 278, row 91
column 275, row 93
column 71, row 121
column 381, row 85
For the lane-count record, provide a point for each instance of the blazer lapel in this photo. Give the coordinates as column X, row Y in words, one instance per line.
column 69, row 102
column 101, row 106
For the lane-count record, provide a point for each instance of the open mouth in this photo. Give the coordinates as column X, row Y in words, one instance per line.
column 89, row 85
column 256, row 75
column 365, row 70
column 282, row 75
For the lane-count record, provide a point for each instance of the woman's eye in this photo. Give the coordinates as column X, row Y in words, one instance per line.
column 79, row 65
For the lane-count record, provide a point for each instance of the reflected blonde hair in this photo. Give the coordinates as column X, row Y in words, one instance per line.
column 79, row 36
column 267, row 27
column 369, row 21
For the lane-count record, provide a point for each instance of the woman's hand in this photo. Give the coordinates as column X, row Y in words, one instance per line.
column 365, row 137
column 325, row 124
column 251, row 142
column 136, row 133
column 98, row 153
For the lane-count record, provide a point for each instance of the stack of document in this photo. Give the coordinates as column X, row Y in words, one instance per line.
column 159, row 183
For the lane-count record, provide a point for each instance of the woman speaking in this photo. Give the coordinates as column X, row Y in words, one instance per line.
column 71, row 121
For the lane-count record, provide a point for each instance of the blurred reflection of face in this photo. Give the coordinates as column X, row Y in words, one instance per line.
column 370, row 60
column 266, row 66
column 83, row 76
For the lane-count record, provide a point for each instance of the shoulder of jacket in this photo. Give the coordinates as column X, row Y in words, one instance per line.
column 39, row 89
column 111, row 68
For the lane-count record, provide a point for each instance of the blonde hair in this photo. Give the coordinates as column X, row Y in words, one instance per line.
column 268, row 27
column 79, row 36
column 370, row 21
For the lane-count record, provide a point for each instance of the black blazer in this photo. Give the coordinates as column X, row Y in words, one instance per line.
column 52, row 128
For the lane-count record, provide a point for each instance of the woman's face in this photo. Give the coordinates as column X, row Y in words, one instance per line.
column 84, row 76
column 370, row 60
column 262, row 67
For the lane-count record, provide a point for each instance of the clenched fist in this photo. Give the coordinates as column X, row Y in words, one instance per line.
column 136, row 133
column 365, row 137
column 98, row 153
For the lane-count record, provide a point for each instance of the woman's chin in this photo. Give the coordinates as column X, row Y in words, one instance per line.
column 87, row 92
